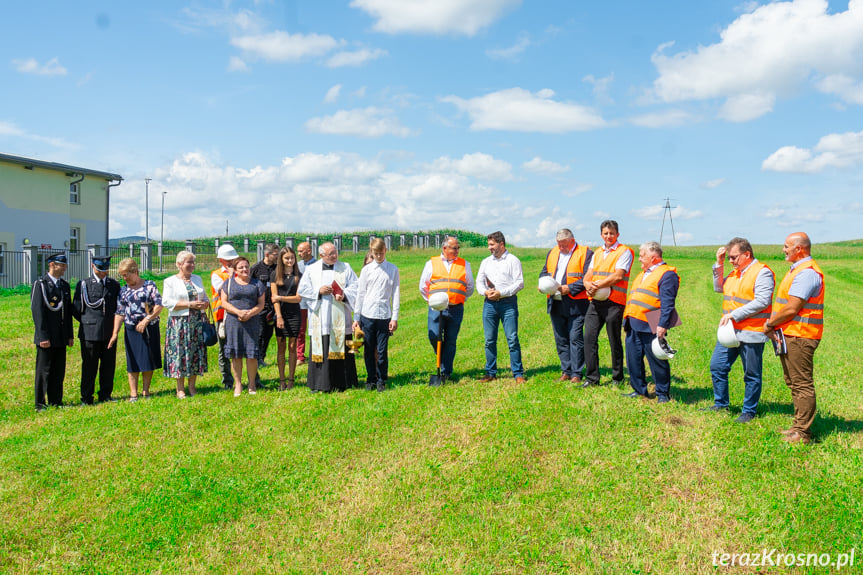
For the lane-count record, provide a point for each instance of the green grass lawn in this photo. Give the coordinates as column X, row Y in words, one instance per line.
column 467, row 478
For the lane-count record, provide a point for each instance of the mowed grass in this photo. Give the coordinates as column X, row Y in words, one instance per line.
column 468, row 478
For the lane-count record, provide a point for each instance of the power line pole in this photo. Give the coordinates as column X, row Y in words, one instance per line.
column 667, row 210
column 147, row 209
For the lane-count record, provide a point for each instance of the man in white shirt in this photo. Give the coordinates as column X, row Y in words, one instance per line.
column 378, row 312
column 499, row 280
column 450, row 274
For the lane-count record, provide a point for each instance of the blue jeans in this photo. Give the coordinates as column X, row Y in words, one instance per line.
column 447, row 321
column 502, row 311
column 751, row 356
column 637, row 348
column 569, row 339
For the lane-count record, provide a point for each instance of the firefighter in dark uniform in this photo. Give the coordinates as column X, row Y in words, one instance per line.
column 51, row 305
column 94, row 305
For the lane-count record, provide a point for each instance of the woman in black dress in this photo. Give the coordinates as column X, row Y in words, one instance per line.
column 283, row 286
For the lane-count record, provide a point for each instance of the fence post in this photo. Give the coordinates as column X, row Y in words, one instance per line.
column 388, row 241
column 289, row 242
column 146, row 263
column 190, row 246
column 356, row 243
column 31, row 264
column 402, row 240
column 313, row 242
column 260, row 250
column 337, row 241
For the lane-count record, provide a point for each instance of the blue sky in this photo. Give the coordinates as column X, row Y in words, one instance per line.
column 523, row 116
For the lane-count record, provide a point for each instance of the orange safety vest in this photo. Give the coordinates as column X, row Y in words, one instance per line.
column 604, row 266
column 809, row 321
column 739, row 291
column 453, row 282
column 216, row 301
column 574, row 269
column 644, row 295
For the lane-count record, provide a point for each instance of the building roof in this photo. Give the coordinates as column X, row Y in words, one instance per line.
column 69, row 170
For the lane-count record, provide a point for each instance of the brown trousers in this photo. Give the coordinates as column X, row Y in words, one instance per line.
column 797, row 366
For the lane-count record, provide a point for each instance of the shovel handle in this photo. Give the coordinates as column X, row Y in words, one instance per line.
column 438, row 353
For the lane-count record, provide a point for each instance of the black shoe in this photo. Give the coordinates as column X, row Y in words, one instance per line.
column 589, row 383
column 633, row 395
column 745, row 418
column 713, row 408
column 41, row 407
column 368, row 386
column 617, row 382
column 381, row 386
column 662, row 399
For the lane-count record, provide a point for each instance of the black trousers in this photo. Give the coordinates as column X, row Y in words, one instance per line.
column 267, row 330
column 609, row 314
column 50, row 371
column 97, row 359
column 377, row 337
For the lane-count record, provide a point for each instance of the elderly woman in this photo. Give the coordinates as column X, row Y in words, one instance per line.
column 186, row 300
column 138, row 307
column 242, row 297
column 283, row 285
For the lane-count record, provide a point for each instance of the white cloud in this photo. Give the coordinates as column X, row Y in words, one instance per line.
column 360, row 93
column 600, row 87
column 832, row 151
column 713, row 184
column 746, row 107
column 516, row 109
column 282, row 46
column 764, row 54
column 512, row 52
column 378, row 198
column 464, row 17
column 478, row 166
column 662, row 119
column 11, row 130
column 333, row 94
column 32, row 66
column 577, row 189
column 656, row 213
column 236, row 64
column 355, row 58
column 539, row 166
column 368, row 122
column 843, row 86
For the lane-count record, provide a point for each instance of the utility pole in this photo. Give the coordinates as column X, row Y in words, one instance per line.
column 162, row 235
column 147, row 209
column 667, row 209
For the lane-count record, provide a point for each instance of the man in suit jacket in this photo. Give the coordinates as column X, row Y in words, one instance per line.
column 94, row 305
column 51, row 306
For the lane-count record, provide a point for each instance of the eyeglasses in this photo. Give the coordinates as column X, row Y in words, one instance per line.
column 733, row 258
column 457, row 248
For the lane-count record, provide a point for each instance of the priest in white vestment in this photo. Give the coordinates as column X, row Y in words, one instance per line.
column 329, row 290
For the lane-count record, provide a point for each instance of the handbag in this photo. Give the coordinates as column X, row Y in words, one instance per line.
column 211, row 338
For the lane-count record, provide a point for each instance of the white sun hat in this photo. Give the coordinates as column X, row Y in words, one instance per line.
column 439, row 301
column 727, row 336
column 548, row 285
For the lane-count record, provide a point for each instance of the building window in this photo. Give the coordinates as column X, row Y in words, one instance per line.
column 74, row 235
column 75, row 193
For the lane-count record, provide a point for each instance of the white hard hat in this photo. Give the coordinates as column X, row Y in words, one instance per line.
column 661, row 349
column 227, row 252
column 602, row 294
column 438, row 300
column 727, row 336
column 548, row 285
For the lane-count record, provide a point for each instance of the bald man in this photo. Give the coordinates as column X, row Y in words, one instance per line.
column 798, row 318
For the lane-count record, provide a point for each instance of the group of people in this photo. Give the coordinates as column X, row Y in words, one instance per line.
column 288, row 292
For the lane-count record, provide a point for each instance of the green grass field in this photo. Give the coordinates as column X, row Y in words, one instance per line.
column 467, row 478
